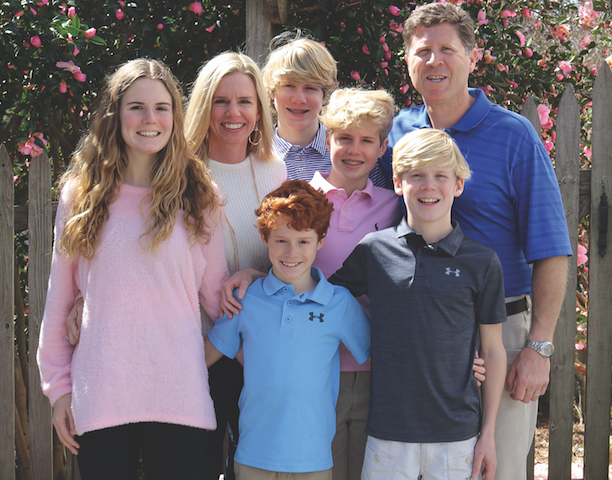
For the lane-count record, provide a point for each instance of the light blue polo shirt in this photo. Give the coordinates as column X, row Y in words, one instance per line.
column 291, row 369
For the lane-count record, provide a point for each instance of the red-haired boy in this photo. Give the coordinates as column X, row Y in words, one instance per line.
column 291, row 326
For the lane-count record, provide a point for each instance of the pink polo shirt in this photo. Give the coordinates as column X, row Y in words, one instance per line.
column 365, row 211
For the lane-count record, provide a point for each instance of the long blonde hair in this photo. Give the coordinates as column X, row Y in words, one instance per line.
column 99, row 166
column 197, row 117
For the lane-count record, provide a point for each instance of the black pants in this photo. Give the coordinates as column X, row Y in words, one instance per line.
column 168, row 451
column 226, row 380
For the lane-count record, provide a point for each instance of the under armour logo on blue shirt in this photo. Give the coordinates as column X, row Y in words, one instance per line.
column 313, row 316
column 449, row 271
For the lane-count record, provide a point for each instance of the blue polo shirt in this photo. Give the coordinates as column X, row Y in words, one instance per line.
column 291, row 369
column 512, row 202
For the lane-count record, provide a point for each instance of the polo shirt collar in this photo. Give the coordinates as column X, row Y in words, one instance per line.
column 450, row 244
column 472, row 118
column 319, row 181
column 318, row 143
column 322, row 293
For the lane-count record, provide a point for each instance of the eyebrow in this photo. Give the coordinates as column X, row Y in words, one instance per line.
column 137, row 102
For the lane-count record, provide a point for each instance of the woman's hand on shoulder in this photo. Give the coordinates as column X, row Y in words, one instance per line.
column 241, row 280
column 63, row 421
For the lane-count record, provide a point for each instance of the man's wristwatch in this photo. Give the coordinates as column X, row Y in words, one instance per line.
column 545, row 349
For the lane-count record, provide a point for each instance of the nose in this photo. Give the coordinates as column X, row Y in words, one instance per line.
column 298, row 95
column 427, row 183
column 434, row 59
column 232, row 109
column 149, row 116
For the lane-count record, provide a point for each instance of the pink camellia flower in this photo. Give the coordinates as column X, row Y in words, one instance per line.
column 543, row 113
column 62, row 86
column 482, row 18
column 588, row 153
column 35, row 41
column 393, row 10
column 514, row 84
column 29, row 147
column 196, row 7
column 394, row 27
column 80, row 77
column 211, row 28
column 525, row 12
column 585, row 41
column 508, row 14
column 560, row 31
column 580, row 346
column 359, row 31
column 160, row 26
column 90, row 33
column 69, row 67
column 528, row 52
column 365, row 49
column 121, row 3
column 385, row 47
column 521, row 38
column 403, row 89
column 565, row 67
column 594, row 71
column 387, row 55
column 548, row 145
column 75, row 52
column 119, row 14
column 560, row 77
column 382, row 39
column 582, row 255
column 355, row 76
column 581, row 328
column 19, row 14
column 383, row 64
column 33, row 11
column 487, row 89
column 71, row 12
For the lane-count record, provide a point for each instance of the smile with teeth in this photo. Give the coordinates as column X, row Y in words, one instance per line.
column 290, row 264
column 436, row 78
column 233, row 126
column 148, row 134
column 429, row 201
column 297, row 111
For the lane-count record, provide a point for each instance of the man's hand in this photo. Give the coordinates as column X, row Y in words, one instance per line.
column 73, row 322
column 484, row 452
column 64, row 423
column 528, row 376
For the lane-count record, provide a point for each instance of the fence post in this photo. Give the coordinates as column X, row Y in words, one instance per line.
column 597, row 429
column 258, row 30
column 7, row 320
column 40, row 230
column 562, row 382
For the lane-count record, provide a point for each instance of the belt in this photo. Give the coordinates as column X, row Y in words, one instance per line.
column 517, row 306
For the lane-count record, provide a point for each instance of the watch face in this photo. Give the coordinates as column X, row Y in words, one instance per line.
column 547, row 349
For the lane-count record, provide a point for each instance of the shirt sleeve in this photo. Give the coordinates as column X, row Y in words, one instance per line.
column 353, row 273
column 356, row 330
column 54, row 355
column 490, row 303
column 225, row 335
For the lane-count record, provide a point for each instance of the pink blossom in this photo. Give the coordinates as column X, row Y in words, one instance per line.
column 119, row 14
column 394, row 27
column 482, row 18
column 90, row 33
column 560, row 31
column 543, row 113
column 15, row 178
column 29, row 147
column 403, row 89
column 71, row 12
column 80, row 77
column 359, row 31
column 528, row 52
column 525, row 12
column 588, row 17
column 502, row 68
column 587, row 152
column 580, row 346
column 585, row 41
column 581, row 328
column 582, row 255
column 35, row 41
column 385, row 47
column 382, row 39
column 69, row 67
column 33, row 11
column 560, row 77
column 383, row 64
column 387, row 55
column 196, row 7
column 548, row 145
column 211, row 28
column 62, row 86
column 565, row 67
column 487, row 89
column 508, row 14
column 393, row 10
column 538, row 23
column 355, row 76
column 365, row 49
column 514, row 84
column 121, row 3
column 160, row 26
column 521, row 38
column 75, row 52
column 594, row 71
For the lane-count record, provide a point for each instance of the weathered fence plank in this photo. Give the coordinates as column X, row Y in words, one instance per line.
column 258, row 30
column 562, row 382
column 7, row 334
column 597, row 431
column 40, row 231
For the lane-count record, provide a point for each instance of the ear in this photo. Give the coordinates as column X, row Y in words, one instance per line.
column 328, row 142
column 473, row 59
column 383, row 147
column 320, row 244
column 459, row 187
column 397, row 186
column 263, row 239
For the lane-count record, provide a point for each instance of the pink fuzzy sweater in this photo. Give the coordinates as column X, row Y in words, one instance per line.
column 141, row 353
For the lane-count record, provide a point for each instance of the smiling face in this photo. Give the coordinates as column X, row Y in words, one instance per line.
column 292, row 253
column 298, row 106
column 429, row 193
column 439, row 65
column 354, row 153
column 146, row 118
column 233, row 115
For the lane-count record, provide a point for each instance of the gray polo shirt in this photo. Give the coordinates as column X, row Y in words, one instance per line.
column 426, row 302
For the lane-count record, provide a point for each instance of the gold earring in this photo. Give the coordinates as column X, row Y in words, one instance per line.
column 256, row 130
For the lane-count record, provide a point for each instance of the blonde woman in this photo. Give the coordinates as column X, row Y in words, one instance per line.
column 138, row 234
column 229, row 127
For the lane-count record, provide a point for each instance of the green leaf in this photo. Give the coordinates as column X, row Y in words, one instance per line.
column 97, row 41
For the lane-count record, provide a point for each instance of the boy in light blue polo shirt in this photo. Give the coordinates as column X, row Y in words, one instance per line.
column 290, row 327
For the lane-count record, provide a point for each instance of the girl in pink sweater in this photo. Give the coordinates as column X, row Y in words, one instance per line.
column 139, row 235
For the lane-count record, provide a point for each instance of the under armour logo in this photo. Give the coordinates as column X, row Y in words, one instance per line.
column 313, row 316
column 449, row 271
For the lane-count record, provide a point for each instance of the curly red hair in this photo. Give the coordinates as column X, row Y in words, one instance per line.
column 301, row 205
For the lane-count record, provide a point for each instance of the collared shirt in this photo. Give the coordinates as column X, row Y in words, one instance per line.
column 291, row 369
column 303, row 162
column 365, row 211
column 426, row 304
column 512, row 202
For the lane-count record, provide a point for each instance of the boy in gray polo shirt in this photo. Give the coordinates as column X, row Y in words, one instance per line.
column 434, row 294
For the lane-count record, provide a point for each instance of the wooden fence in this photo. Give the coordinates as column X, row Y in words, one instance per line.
column 25, row 425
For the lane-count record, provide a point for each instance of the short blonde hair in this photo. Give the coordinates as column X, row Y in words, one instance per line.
column 301, row 61
column 197, row 117
column 425, row 147
column 355, row 107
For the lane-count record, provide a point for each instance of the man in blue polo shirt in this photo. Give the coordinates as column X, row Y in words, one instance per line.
column 511, row 204
column 291, row 326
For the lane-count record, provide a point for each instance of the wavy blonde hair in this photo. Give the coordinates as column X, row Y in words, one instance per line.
column 99, row 166
column 197, row 117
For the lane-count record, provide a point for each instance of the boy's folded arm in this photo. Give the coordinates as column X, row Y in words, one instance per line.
column 353, row 273
column 493, row 352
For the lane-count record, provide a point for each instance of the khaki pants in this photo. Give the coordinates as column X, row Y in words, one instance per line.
column 244, row 472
